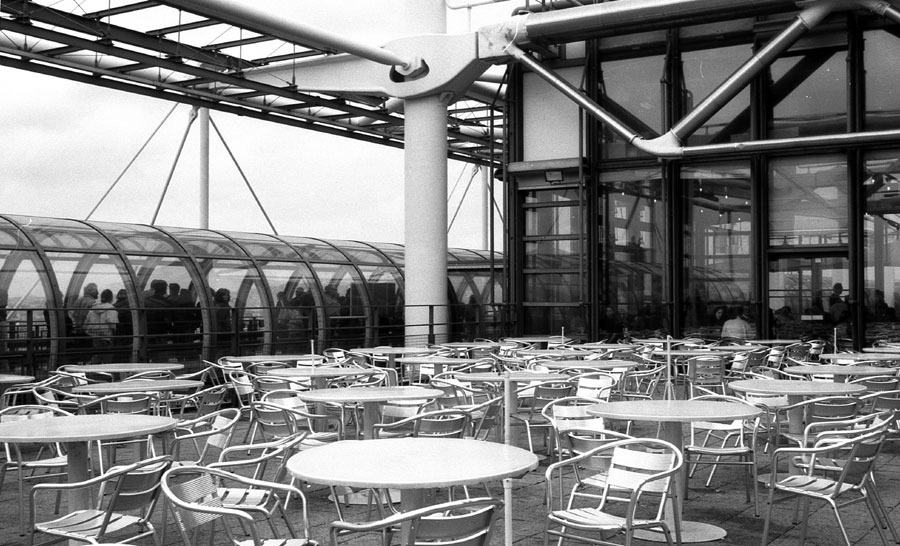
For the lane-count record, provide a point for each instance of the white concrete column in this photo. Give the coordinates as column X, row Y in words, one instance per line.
column 426, row 218
column 425, row 206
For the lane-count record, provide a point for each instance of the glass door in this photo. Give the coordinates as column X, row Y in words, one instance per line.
column 809, row 296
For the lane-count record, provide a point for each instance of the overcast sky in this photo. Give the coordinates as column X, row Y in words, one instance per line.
column 65, row 144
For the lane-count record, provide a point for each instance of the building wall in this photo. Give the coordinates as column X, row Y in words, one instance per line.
column 657, row 245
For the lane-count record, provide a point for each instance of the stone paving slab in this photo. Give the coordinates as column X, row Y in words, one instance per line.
column 723, row 504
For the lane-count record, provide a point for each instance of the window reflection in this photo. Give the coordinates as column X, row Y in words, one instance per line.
column 881, row 185
column 808, row 201
column 633, row 258
column 703, row 72
column 882, row 49
column 717, row 245
column 808, row 94
column 630, row 89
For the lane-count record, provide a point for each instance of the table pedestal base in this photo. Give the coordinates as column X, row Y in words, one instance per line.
column 691, row 532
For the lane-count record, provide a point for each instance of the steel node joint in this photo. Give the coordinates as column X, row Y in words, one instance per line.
column 413, row 69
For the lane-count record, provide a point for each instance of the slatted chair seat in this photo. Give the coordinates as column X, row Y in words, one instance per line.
column 125, row 501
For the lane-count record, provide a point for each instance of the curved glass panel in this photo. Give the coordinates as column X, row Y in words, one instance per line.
column 10, row 235
column 360, row 252
column 201, row 242
column 290, row 284
column 238, row 302
column 138, row 238
column 263, row 246
column 167, row 293
column 24, row 310
column 315, row 250
column 85, row 281
column 392, row 250
column 61, row 234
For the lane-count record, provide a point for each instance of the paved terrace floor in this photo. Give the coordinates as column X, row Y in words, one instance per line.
column 723, row 504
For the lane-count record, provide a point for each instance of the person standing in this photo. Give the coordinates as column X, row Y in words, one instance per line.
column 101, row 323
column 82, row 306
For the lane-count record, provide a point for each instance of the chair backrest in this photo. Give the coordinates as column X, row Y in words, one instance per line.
column 448, row 423
column 578, row 440
column 644, row 465
column 486, row 417
column 642, row 383
column 571, row 412
column 274, row 421
column 193, row 493
column 596, row 385
column 465, row 522
column 139, row 403
column 136, row 486
column 706, row 370
column 879, row 382
column 262, row 368
column 208, row 435
column 798, row 351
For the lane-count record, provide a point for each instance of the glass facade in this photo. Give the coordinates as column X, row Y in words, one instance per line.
column 776, row 204
column 188, row 294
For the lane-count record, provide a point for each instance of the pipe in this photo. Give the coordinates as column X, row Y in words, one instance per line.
column 569, row 25
column 242, row 14
column 470, row 3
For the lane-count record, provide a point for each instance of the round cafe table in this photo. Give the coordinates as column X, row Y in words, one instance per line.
column 553, row 353
column 76, row 432
column 371, row 398
column 775, row 341
column 392, row 352
column 894, row 350
column 138, row 385
column 671, row 414
column 509, row 393
column 855, row 357
column 796, row 391
column 600, row 346
column 439, row 362
column 290, row 359
column 598, row 365
column 319, row 375
column 463, row 347
column 125, row 368
column 415, row 466
column 7, row 379
column 838, row 372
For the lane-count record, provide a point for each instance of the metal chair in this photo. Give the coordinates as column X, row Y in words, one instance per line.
column 725, row 443
column 194, row 494
column 50, row 458
column 529, row 411
column 139, row 403
column 640, row 476
column 123, row 490
column 255, row 461
column 444, row 423
column 465, row 522
column 207, row 435
column 849, row 483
